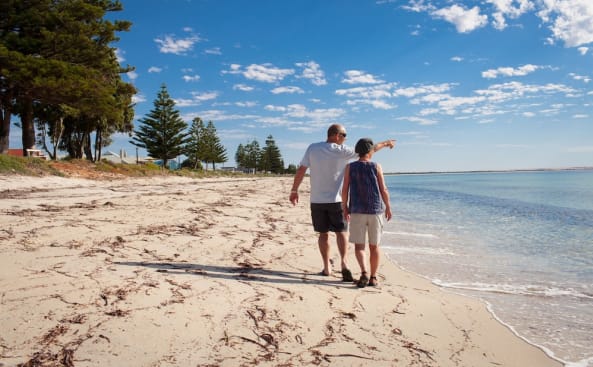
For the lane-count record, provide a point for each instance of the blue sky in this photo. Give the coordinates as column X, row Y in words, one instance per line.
column 461, row 85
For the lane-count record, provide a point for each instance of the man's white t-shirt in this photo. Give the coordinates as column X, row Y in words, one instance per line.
column 326, row 163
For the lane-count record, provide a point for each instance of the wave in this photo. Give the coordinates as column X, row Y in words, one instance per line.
column 410, row 234
column 517, row 289
column 420, row 250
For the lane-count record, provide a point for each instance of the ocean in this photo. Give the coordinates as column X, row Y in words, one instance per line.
column 520, row 241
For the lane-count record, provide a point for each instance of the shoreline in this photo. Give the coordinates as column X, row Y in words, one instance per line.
column 220, row 271
column 489, row 307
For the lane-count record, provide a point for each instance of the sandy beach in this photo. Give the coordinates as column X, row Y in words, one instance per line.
column 173, row 271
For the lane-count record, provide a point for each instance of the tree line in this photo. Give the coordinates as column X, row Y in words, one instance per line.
column 166, row 136
column 60, row 75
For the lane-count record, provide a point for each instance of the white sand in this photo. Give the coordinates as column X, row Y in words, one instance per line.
column 174, row 271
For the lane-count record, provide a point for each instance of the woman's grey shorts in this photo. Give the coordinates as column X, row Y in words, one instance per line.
column 363, row 224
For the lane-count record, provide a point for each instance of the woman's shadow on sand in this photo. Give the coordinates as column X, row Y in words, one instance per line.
column 241, row 273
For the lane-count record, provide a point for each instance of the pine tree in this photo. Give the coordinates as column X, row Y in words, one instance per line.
column 214, row 151
column 162, row 132
column 271, row 159
column 195, row 146
column 252, row 156
column 240, row 156
column 59, row 52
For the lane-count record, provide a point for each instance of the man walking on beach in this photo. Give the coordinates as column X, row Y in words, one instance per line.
column 326, row 162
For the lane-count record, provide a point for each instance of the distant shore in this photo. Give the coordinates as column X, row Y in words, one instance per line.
column 494, row 171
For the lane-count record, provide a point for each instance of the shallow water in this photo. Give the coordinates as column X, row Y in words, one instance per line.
column 521, row 241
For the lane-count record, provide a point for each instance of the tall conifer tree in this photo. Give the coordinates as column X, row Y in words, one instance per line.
column 163, row 132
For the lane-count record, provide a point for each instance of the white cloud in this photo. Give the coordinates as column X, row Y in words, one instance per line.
column 510, row 71
column 119, row 55
column 154, row 69
column 580, row 116
column 319, row 115
column 313, row 72
column 465, row 20
column 288, row 90
column 582, row 78
column 360, row 77
column 191, row 78
column 242, row 87
column 246, row 104
column 263, row 73
column 507, row 8
column 411, row 92
column 583, row 50
column 170, row 45
column 457, row 58
column 213, row 51
column 571, row 21
column 419, row 120
column 138, row 98
column 132, row 75
column 217, row 115
column 373, row 92
column 528, row 114
column 197, row 99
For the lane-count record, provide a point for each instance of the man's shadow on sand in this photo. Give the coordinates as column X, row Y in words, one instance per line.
column 242, row 273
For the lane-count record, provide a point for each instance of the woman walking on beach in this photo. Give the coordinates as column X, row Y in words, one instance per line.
column 365, row 200
column 326, row 161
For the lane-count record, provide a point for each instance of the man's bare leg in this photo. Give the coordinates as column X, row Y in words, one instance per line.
column 342, row 248
column 323, row 243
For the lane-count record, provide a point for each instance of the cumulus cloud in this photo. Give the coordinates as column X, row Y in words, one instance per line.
column 299, row 111
column 510, row 71
column 288, row 90
column 197, row 99
column 465, row 20
column 242, row 87
column 191, row 78
column 571, row 21
column 154, row 69
column 360, row 77
column 582, row 78
column 132, row 75
column 508, row 9
column 119, row 55
column 213, row 51
column 169, row 44
column 583, row 50
column 267, row 73
column 313, row 72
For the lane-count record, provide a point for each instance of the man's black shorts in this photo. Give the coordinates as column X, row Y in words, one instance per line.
column 328, row 218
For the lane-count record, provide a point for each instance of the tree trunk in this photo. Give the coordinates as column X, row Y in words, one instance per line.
column 99, row 145
column 5, row 130
column 27, row 125
column 88, row 152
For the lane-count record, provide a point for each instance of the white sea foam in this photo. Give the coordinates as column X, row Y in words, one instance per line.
column 409, row 234
column 582, row 363
column 518, row 289
column 420, row 250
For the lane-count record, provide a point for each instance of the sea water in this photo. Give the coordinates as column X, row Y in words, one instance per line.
column 520, row 241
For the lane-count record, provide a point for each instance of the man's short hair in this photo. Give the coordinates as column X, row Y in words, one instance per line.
column 333, row 130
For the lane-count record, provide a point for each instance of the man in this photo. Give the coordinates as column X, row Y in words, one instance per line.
column 326, row 162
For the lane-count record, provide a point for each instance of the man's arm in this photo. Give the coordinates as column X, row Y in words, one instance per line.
column 387, row 143
column 298, row 178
